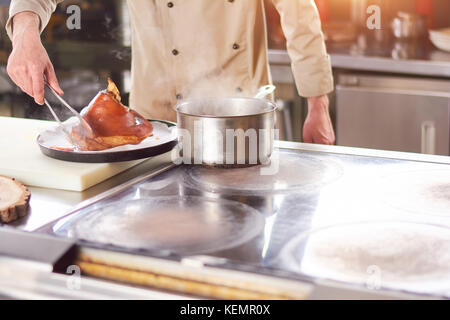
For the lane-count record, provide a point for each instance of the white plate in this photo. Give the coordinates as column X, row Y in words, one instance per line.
column 163, row 140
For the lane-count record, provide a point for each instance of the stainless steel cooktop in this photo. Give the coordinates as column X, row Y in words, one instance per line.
column 373, row 222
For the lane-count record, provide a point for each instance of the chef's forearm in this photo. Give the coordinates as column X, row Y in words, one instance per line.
column 306, row 47
column 42, row 8
column 318, row 127
column 25, row 24
column 28, row 62
column 320, row 103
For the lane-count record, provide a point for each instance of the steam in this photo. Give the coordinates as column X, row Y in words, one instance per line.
column 218, row 85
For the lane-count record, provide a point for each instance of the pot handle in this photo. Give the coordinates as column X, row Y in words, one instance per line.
column 264, row 91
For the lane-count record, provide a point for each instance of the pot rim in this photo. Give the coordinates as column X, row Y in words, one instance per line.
column 273, row 107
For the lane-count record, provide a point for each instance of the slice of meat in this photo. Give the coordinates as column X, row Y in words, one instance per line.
column 112, row 123
column 14, row 199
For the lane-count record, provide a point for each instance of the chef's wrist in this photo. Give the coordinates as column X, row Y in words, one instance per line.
column 318, row 104
column 25, row 25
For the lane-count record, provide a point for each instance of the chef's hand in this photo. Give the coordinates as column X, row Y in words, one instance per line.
column 28, row 61
column 318, row 127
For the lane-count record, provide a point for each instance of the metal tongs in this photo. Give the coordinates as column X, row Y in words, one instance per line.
column 85, row 127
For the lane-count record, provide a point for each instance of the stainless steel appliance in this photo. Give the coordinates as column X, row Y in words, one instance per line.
column 359, row 217
column 393, row 113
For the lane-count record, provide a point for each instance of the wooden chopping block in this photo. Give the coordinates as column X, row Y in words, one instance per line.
column 14, row 199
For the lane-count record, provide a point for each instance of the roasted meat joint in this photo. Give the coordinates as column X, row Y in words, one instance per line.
column 112, row 123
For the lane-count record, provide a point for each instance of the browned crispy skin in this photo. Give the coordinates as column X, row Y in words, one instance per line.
column 112, row 123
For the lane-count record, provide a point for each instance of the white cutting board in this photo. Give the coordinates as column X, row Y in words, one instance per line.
column 21, row 158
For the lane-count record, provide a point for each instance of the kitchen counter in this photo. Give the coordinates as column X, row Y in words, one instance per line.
column 50, row 204
column 339, row 165
column 393, row 57
column 47, row 205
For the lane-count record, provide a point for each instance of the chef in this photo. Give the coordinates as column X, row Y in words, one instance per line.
column 188, row 48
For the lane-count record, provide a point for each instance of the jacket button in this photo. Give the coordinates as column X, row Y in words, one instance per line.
column 175, row 52
column 170, row 4
column 235, row 46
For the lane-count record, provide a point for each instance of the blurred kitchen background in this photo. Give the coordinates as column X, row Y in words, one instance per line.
column 392, row 85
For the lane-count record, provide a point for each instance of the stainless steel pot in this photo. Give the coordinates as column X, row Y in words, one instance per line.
column 226, row 131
